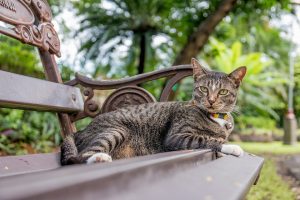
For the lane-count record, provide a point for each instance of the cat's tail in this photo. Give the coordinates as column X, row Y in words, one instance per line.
column 69, row 153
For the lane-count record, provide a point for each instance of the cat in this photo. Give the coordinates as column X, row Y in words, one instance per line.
column 204, row 122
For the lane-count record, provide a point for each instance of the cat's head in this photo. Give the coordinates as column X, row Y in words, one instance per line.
column 216, row 92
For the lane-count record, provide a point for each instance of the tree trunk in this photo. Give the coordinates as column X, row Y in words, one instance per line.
column 199, row 38
column 141, row 67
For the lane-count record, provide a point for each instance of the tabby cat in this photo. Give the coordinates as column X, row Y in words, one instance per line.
column 204, row 122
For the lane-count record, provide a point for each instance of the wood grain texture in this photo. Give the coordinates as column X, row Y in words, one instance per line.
column 15, row 165
column 19, row 91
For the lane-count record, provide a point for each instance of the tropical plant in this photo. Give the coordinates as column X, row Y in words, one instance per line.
column 131, row 37
column 25, row 132
column 120, row 32
column 23, row 60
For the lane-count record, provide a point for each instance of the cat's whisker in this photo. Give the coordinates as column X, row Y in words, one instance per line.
column 235, row 114
column 236, row 110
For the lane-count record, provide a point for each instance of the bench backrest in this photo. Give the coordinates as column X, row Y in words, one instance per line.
column 30, row 22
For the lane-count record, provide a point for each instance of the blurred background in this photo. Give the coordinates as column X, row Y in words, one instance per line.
column 111, row 39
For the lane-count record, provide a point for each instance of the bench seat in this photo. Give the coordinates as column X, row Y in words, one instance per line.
column 195, row 174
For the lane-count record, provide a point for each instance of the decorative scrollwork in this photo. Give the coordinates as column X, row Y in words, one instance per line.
column 90, row 106
column 32, row 21
column 43, row 36
column 127, row 96
column 50, row 38
column 43, row 10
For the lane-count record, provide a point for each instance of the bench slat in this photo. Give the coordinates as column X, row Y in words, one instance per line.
column 18, row 91
column 180, row 175
column 14, row 165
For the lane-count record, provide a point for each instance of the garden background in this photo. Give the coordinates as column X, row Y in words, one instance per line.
column 112, row 39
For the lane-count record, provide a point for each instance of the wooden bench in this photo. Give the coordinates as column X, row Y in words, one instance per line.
column 193, row 174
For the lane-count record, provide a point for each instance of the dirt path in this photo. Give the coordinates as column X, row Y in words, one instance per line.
column 289, row 168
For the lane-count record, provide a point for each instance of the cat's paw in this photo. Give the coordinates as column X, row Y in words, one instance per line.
column 99, row 158
column 232, row 149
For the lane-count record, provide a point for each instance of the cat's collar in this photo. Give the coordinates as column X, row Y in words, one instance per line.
column 221, row 119
column 224, row 116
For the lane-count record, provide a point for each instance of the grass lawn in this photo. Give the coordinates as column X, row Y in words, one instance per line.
column 274, row 148
column 270, row 185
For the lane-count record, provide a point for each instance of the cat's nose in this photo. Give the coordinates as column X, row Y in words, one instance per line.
column 211, row 101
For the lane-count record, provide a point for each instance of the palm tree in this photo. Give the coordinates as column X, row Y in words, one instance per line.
column 112, row 27
column 123, row 32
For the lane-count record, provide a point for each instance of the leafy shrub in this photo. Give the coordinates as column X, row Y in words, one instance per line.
column 28, row 131
column 255, row 121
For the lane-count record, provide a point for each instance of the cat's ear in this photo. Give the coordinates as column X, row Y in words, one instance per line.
column 237, row 75
column 198, row 69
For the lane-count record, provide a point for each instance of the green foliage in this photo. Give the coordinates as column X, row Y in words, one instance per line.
column 24, row 132
column 270, row 185
column 297, row 87
column 19, row 58
column 108, row 26
column 274, row 148
column 185, row 90
column 121, row 25
column 111, row 31
column 255, row 122
column 66, row 73
column 81, row 124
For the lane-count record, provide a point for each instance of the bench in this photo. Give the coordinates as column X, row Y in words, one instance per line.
column 172, row 175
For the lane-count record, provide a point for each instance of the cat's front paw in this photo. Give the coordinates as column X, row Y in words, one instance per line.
column 99, row 158
column 232, row 149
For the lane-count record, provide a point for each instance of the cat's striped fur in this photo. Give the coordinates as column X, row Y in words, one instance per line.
column 159, row 127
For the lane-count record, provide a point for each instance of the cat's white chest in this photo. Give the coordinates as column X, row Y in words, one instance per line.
column 220, row 121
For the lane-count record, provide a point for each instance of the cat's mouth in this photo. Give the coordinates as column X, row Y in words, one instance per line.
column 218, row 109
column 214, row 109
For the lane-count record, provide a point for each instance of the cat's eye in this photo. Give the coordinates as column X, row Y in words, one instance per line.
column 223, row 92
column 203, row 89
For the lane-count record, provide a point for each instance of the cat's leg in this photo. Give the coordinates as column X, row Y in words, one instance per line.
column 191, row 141
column 103, row 145
column 181, row 141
